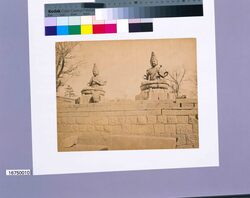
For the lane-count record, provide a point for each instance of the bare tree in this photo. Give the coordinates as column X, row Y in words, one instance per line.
column 176, row 78
column 64, row 67
column 192, row 80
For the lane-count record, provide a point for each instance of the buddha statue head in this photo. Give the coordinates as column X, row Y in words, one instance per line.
column 153, row 60
column 95, row 70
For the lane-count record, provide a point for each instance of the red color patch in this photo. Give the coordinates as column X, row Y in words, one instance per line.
column 99, row 29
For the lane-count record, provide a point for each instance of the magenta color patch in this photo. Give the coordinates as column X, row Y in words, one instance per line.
column 50, row 21
column 110, row 28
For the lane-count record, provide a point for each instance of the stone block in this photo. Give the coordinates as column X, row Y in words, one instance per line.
column 102, row 121
column 75, row 128
column 84, row 99
column 131, row 119
column 73, row 114
column 106, row 113
column 83, row 120
column 126, row 128
column 159, row 129
column 60, row 121
column 68, row 120
column 192, row 119
column 142, row 112
column 192, row 139
column 170, row 128
column 70, row 141
column 174, row 135
column 196, row 144
column 182, row 119
column 162, row 119
column 185, row 147
column 121, row 119
column 147, row 130
column 108, row 128
column 184, row 128
column 134, row 129
column 99, row 128
column 181, row 140
column 188, row 105
column 142, row 120
column 60, row 128
column 114, row 129
column 160, row 143
column 94, row 138
column 172, row 119
column 126, row 142
column 151, row 119
column 66, row 140
column 186, row 100
column 179, row 112
column 91, row 128
column 85, row 148
column 67, row 128
column 195, row 128
column 113, row 120
column 83, row 128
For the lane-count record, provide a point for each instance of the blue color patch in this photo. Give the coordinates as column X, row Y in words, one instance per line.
column 62, row 30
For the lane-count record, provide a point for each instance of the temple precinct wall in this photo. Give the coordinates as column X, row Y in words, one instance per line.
column 128, row 125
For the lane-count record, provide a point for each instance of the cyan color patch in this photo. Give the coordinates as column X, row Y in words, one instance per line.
column 62, row 30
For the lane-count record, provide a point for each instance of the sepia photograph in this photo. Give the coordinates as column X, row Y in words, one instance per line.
column 127, row 95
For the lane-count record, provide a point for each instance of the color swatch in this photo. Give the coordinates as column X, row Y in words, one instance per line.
column 86, row 25
column 146, row 3
column 149, row 12
column 129, row 8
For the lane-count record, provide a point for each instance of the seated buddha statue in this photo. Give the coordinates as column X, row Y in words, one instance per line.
column 94, row 92
column 156, row 72
column 96, row 80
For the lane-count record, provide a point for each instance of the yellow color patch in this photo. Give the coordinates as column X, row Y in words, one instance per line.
column 86, row 29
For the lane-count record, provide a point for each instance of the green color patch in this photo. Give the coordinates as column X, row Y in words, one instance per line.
column 74, row 29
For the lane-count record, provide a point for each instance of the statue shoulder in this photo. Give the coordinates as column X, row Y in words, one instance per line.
column 150, row 70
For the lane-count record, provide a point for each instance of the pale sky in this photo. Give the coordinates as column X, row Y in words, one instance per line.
column 123, row 64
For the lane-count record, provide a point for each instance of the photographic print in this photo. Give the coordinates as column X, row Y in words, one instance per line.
column 120, row 100
column 127, row 95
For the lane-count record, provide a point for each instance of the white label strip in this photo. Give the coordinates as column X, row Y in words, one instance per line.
column 18, row 172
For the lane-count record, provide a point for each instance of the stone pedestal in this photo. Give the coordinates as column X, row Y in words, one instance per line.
column 155, row 90
column 92, row 95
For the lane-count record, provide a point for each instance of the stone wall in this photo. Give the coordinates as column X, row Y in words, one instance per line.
column 128, row 125
column 65, row 100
